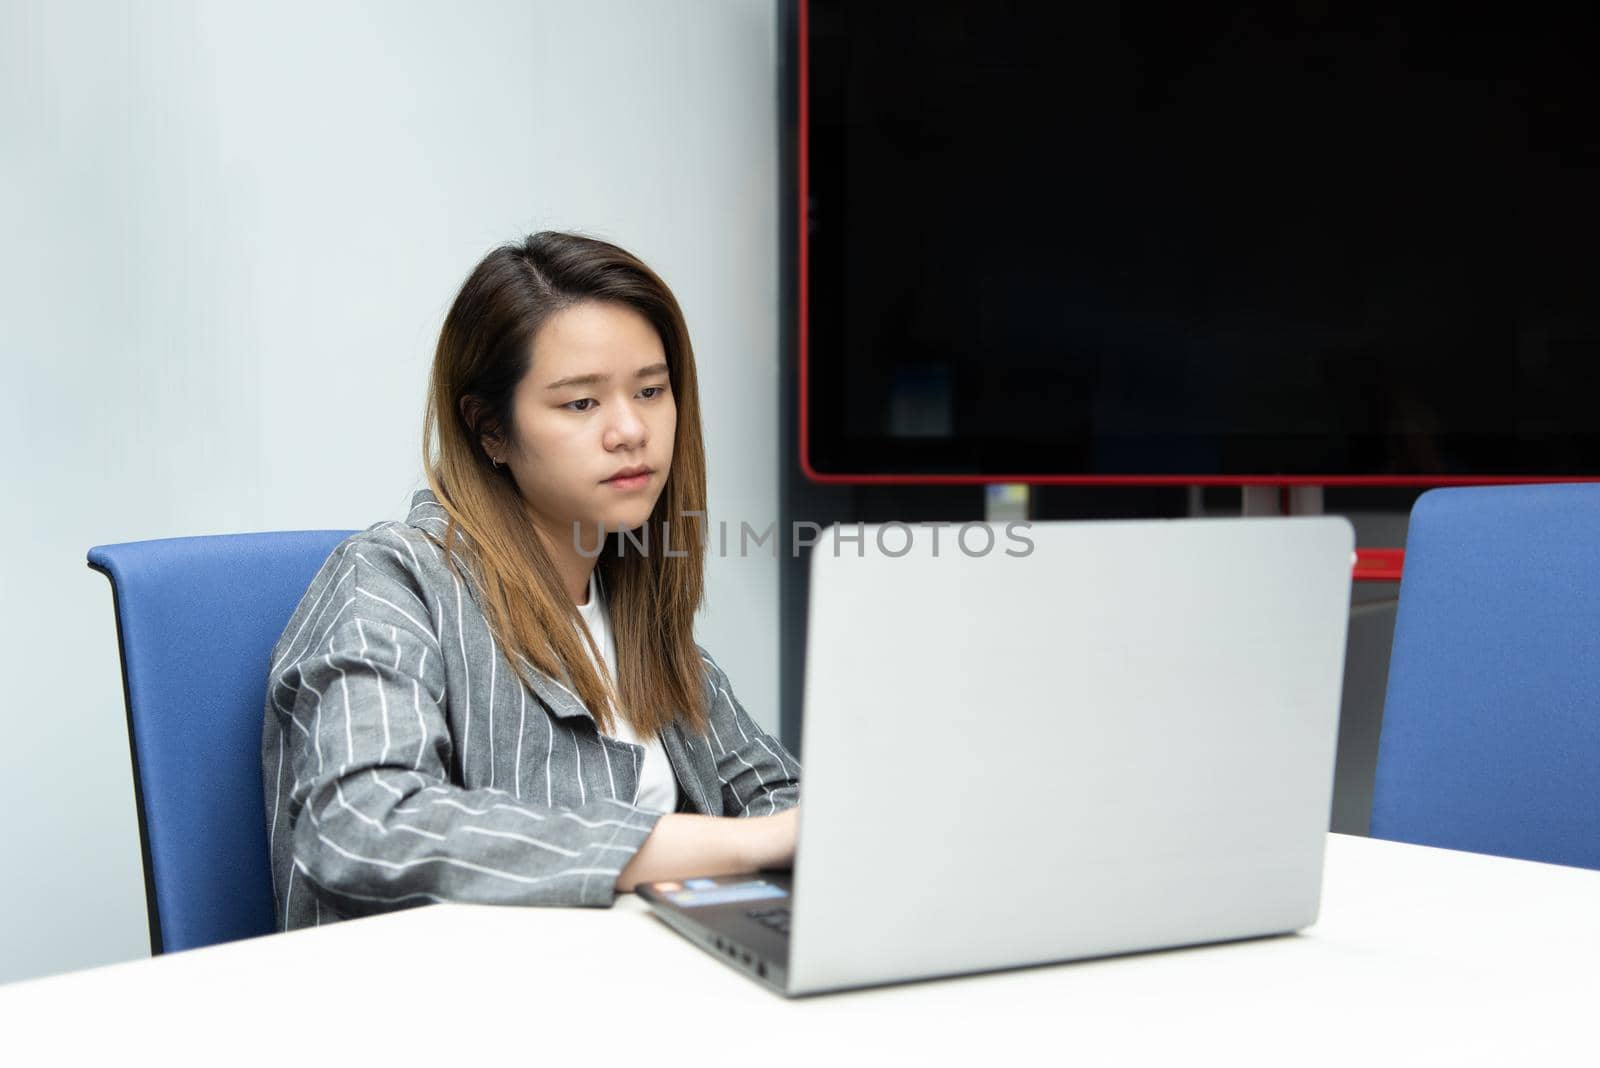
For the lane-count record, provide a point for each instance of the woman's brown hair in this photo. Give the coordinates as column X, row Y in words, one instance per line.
column 484, row 349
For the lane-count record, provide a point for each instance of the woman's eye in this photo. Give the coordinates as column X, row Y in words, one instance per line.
column 654, row 391
column 584, row 400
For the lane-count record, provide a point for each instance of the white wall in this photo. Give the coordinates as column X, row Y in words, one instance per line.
column 232, row 230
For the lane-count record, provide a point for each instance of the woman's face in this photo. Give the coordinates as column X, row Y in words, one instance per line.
column 596, row 399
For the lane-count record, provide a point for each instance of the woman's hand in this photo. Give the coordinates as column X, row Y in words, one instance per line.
column 683, row 845
column 772, row 839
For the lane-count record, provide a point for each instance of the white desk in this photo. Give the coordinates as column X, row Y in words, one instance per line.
column 1420, row 956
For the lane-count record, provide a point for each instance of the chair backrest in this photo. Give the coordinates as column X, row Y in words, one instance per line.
column 1491, row 725
column 196, row 621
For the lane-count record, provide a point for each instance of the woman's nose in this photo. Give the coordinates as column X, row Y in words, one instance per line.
column 627, row 427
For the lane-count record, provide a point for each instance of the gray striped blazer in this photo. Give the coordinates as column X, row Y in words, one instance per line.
column 404, row 762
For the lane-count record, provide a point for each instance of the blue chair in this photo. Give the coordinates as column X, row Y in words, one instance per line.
column 196, row 622
column 1491, row 725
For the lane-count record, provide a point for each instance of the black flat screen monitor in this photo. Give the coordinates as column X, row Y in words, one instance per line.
column 1318, row 241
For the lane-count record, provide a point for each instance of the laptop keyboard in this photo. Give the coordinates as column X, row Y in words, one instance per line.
column 776, row 919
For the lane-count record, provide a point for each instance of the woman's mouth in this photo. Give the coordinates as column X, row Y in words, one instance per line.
column 629, row 482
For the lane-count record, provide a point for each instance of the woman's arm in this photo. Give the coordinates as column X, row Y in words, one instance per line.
column 683, row 845
column 362, row 810
column 760, row 781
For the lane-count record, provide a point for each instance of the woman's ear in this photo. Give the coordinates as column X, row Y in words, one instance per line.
column 472, row 414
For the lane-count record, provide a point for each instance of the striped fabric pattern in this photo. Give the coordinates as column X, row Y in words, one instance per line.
column 404, row 762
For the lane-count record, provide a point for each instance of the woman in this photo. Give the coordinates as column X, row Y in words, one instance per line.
column 499, row 700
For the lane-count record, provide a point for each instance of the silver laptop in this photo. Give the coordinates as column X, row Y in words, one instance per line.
column 1117, row 738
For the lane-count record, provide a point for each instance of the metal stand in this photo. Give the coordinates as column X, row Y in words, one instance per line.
column 1274, row 500
column 1280, row 500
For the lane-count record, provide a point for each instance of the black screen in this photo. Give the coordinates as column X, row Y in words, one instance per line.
column 1202, row 239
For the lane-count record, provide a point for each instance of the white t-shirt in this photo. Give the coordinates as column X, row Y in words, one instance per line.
column 658, row 787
